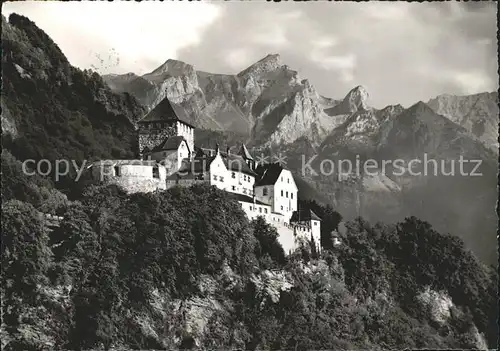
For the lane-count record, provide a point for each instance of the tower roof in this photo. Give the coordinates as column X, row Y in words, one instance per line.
column 171, row 143
column 244, row 152
column 304, row 215
column 166, row 111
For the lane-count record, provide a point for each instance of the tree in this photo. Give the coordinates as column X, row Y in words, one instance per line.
column 268, row 244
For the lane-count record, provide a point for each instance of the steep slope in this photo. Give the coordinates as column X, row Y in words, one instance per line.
column 52, row 110
column 438, row 191
column 149, row 276
column 477, row 113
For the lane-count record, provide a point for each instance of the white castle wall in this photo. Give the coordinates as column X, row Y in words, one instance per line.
column 132, row 177
column 240, row 183
column 188, row 133
column 285, row 195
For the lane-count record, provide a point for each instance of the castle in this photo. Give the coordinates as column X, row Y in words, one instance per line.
column 169, row 158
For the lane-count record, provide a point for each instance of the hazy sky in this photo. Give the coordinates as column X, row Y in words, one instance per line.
column 401, row 52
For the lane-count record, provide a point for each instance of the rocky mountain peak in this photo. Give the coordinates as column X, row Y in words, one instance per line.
column 477, row 113
column 421, row 107
column 174, row 68
column 355, row 100
column 272, row 60
column 269, row 63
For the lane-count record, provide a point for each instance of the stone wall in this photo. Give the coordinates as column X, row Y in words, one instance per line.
column 151, row 138
column 136, row 184
column 304, row 230
column 133, row 178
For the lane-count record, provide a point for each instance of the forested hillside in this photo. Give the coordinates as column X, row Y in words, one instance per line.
column 52, row 110
column 184, row 268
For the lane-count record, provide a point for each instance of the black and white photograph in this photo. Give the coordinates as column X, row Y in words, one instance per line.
column 249, row 175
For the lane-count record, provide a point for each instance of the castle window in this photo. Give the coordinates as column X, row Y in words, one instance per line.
column 264, row 191
column 265, row 210
column 233, row 188
column 281, row 192
column 221, row 178
column 281, row 178
column 117, row 171
column 281, row 208
column 287, row 194
column 315, row 223
column 156, row 172
column 288, row 181
column 260, row 209
column 215, row 177
column 291, row 195
column 233, row 175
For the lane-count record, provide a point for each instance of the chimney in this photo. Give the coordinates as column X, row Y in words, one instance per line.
column 228, row 150
column 216, row 149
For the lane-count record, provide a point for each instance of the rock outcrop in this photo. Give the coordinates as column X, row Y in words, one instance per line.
column 477, row 113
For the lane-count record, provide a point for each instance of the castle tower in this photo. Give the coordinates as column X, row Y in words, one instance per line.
column 247, row 157
column 163, row 122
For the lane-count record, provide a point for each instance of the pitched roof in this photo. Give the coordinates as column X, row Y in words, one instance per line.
column 236, row 163
column 199, row 152
column 244, row 152
column 304, row 215
column 246, row 198
column 268, row 174
column 166, row 111
column 170, row 143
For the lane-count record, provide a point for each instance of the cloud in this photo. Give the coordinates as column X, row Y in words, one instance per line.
column 472, row 81
column 125, row 36
column 237, row 58
column 405, row 52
